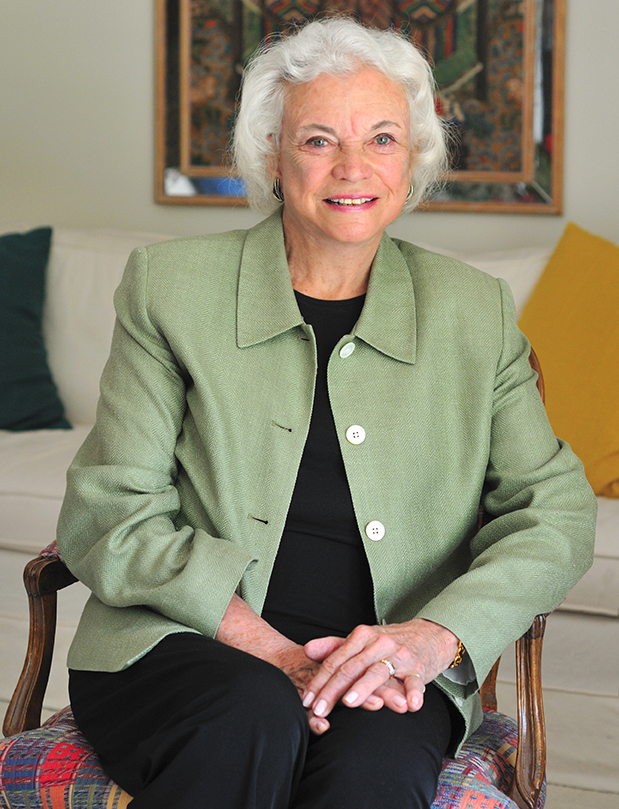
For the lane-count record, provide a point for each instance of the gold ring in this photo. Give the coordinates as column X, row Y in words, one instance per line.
column 416, row 674
column 390, row 666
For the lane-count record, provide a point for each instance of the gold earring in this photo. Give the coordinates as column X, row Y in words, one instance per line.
column 277, row 190
column 410, row 192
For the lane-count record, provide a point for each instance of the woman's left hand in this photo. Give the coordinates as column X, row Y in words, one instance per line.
column 352, row 669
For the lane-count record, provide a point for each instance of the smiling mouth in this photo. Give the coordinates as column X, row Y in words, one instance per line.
column 349, row 201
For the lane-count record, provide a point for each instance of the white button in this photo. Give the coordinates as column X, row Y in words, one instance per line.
column 355, row 434
column 375, row 530
column 346, row 350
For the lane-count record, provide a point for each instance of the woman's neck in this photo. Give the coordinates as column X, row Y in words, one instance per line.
column 329, row 272
column 327, row 283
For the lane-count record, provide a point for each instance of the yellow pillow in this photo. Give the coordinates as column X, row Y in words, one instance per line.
column 572, row 321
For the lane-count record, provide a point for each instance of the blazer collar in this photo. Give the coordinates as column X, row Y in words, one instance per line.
column 267, row 306
column 388, row 321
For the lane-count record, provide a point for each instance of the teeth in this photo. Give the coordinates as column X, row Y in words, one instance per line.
column 360, row 201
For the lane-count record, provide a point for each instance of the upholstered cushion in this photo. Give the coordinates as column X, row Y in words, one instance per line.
column 28, row 399
column 54, row 767
column 572, row 320
column 484, row 768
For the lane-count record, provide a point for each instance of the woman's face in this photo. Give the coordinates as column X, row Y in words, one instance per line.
column 345, row 158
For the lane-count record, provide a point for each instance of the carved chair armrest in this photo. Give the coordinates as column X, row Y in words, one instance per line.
column 530, row 768
column 43, row 577
column 530, row 765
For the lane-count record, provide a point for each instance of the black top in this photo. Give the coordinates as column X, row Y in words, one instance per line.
column 321, row 582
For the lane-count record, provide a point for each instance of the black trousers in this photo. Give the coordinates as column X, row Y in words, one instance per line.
column 196, row 723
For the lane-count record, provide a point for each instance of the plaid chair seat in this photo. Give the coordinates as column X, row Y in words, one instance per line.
column 53, row 767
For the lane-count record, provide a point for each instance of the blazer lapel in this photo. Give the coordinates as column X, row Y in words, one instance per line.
column 388, row 321
column 266, row 305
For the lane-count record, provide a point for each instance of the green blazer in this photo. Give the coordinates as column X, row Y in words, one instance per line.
column 179, row 496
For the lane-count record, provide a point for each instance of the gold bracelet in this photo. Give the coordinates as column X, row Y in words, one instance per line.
column 461, row 651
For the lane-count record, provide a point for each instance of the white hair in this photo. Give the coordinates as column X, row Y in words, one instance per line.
column 335, row 46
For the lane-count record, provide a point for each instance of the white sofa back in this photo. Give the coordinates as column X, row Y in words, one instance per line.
column 84, row 269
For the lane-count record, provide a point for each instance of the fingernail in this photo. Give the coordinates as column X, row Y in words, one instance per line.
column 308, row 699
column 321, row 708
column 350, row 697
column 416, row 703
column 399, row 700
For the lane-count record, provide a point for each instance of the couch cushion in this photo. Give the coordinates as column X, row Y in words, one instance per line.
column 85, row 268
column 520, row 267
column 33, row 468
column 28, row 396
column 572, row 319
column 597, row 593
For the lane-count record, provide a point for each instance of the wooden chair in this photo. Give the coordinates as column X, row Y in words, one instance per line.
column 502, row 766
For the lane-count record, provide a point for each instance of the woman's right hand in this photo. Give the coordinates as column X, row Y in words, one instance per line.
column 242, row 628
column 293, row 661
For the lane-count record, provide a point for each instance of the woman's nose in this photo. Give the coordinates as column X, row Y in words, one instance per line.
column 351, row 164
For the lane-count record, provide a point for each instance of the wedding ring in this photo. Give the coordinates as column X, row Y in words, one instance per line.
column 390, row 666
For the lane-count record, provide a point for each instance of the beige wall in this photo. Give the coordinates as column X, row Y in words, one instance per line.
column 76, row 129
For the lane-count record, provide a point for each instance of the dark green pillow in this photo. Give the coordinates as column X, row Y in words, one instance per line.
column 28, row 397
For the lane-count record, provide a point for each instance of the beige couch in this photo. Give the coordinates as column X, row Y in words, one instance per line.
column 84, row 269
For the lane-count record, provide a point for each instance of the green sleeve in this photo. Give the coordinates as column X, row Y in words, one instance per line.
column 539, row 539
column 119, row 528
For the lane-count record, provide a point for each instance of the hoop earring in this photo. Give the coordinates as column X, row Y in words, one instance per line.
column 277, row 190
column 410, row 193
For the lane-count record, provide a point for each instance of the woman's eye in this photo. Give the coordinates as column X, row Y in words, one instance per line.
column 383, row 140
column 318, row 142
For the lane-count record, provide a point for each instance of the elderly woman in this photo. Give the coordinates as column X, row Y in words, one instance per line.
column 277, row 510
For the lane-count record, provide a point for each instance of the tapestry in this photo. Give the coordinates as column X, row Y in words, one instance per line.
column 475, row 47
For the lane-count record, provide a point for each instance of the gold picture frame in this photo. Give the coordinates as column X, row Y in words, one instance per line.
column 499, row 66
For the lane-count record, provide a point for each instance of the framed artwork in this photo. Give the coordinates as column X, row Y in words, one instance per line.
column 498, row 65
